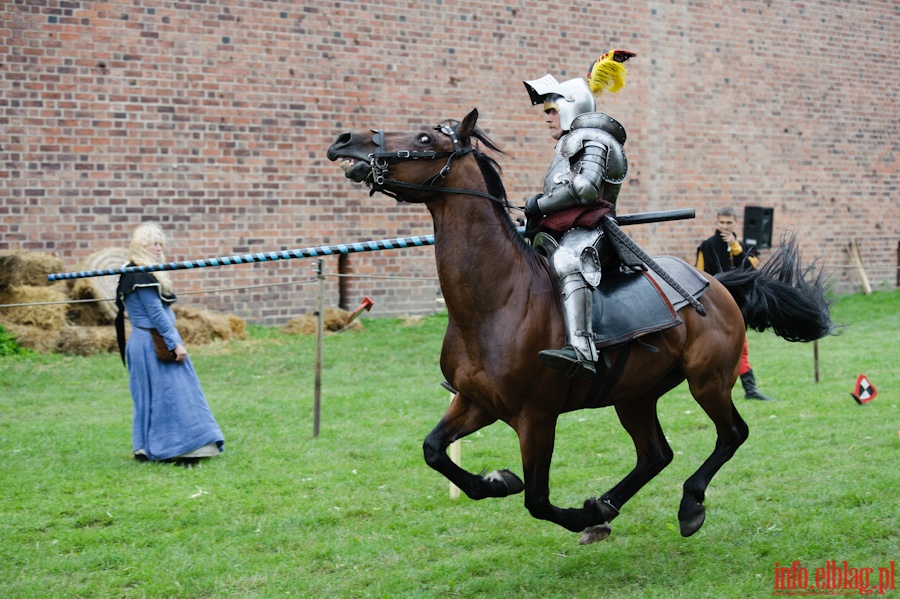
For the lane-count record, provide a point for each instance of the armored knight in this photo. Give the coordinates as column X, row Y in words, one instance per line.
column 580, row 189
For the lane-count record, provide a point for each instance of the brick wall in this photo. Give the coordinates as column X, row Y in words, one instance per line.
column 213, row 117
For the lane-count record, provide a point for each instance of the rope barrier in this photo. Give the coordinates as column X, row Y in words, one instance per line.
column 223, row 289
column 337, row 276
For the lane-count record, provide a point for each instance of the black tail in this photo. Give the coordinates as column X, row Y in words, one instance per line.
column 778, row 296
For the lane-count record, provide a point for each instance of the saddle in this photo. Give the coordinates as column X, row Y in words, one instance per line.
column 630, row 304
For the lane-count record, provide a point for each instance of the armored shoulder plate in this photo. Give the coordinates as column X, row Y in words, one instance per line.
column 599, row 120
column 572, row 143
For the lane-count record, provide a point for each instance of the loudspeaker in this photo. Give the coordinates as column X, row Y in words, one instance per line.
column 758, row 227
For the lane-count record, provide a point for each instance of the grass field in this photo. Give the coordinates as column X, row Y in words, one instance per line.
column 357, row 513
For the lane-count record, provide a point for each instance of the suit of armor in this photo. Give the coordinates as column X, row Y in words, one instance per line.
column 588, row 169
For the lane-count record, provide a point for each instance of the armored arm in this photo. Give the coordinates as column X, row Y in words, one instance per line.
column 597, row 159
column 581, row 187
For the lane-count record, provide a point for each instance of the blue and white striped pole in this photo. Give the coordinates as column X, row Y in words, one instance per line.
column 313, row 252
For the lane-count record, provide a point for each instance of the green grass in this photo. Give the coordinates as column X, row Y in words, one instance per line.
column 357, row 513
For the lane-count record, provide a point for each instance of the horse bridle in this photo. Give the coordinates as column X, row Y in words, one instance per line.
column 381, row 160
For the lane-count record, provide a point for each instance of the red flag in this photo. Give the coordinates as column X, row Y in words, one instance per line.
column 865, row 391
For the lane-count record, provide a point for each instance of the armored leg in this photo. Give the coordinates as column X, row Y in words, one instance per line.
column 576, row 267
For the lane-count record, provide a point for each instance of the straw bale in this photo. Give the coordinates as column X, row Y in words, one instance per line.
column 90, row 312
column 198, row 326
column 333, row 320
column 51, row 316
column 87, row 314
column 101, row 287
column 27, row 268
column 301, row 325
column 86, row 341
column 238, row 326
column 41, row 340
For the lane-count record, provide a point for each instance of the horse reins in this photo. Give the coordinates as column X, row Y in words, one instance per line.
column 381, row 160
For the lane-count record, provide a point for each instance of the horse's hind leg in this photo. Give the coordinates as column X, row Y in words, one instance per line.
column 537, row 434
column 731, row 431
column 653, row 451
column 653, row 455
column 464, row 417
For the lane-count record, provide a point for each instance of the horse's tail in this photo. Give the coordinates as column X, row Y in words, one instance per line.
column 779, row 296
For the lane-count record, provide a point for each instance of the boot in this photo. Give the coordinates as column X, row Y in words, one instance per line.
column 750, row 390
column 577, row 357
column 569, row 359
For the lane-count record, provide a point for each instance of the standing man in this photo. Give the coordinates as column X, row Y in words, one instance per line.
column 580, row 189
column 720, row 253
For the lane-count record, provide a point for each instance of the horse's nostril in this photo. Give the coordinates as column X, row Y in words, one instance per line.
column 343, row 140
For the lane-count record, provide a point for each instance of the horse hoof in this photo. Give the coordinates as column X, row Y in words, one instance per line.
column 593, row 534
column 691, row 525
column 512, row 484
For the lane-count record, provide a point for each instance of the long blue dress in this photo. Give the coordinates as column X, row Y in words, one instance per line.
column 171, row 416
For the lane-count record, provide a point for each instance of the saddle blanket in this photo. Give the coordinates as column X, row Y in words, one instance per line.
column 628, row 305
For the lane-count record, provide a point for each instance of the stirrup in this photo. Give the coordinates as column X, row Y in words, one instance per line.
column 570, row 360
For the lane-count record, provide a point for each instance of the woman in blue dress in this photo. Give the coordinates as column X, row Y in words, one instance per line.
column 172, row 420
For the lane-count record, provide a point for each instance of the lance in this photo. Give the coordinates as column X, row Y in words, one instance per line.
column 330, row 250
column 641, row 218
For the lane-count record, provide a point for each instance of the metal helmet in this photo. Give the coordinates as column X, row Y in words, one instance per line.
column 569, row 98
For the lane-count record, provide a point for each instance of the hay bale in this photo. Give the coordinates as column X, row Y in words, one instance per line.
column 27, row 268
column 87, row 314
column 238, row 327
column 86, row 341
column 49, row 316
column 41, row 340
column 100, row 288
column 333, row 320
column 301, row 325
column 199, row 327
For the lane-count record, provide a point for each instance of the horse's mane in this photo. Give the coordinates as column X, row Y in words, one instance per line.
column 490, row 168
column 490, row 171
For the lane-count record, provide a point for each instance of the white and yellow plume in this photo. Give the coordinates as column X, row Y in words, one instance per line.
column 608, row 72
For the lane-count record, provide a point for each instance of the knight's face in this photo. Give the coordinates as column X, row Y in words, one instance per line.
column 552, row 119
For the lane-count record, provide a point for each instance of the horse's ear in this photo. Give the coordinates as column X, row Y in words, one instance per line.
column 468, row 124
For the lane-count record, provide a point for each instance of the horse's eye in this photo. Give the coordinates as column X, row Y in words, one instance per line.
column 424, row 139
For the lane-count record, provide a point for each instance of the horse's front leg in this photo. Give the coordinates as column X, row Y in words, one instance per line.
column 537, row 435
column 463, row 418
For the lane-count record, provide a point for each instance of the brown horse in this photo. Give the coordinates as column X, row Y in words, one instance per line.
column 503, row 309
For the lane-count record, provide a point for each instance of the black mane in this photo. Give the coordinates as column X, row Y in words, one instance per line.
column 490, row 168
column 490, row 171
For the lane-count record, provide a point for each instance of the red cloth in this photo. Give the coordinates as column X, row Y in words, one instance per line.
column 745, row 360
column 578, row 216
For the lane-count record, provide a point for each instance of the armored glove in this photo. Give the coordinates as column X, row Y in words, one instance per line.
column 533, row 215
column 531, row 206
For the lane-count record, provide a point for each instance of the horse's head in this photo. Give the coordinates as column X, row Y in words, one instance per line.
column 411, row 166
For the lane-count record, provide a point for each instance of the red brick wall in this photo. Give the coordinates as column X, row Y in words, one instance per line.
column 214, row 117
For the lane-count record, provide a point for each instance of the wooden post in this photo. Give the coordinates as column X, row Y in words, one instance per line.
column 320, row 331
column 853, row 250
column 455, row 457
column 816, row 358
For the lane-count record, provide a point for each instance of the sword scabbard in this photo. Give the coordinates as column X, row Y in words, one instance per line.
column 613, row 228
